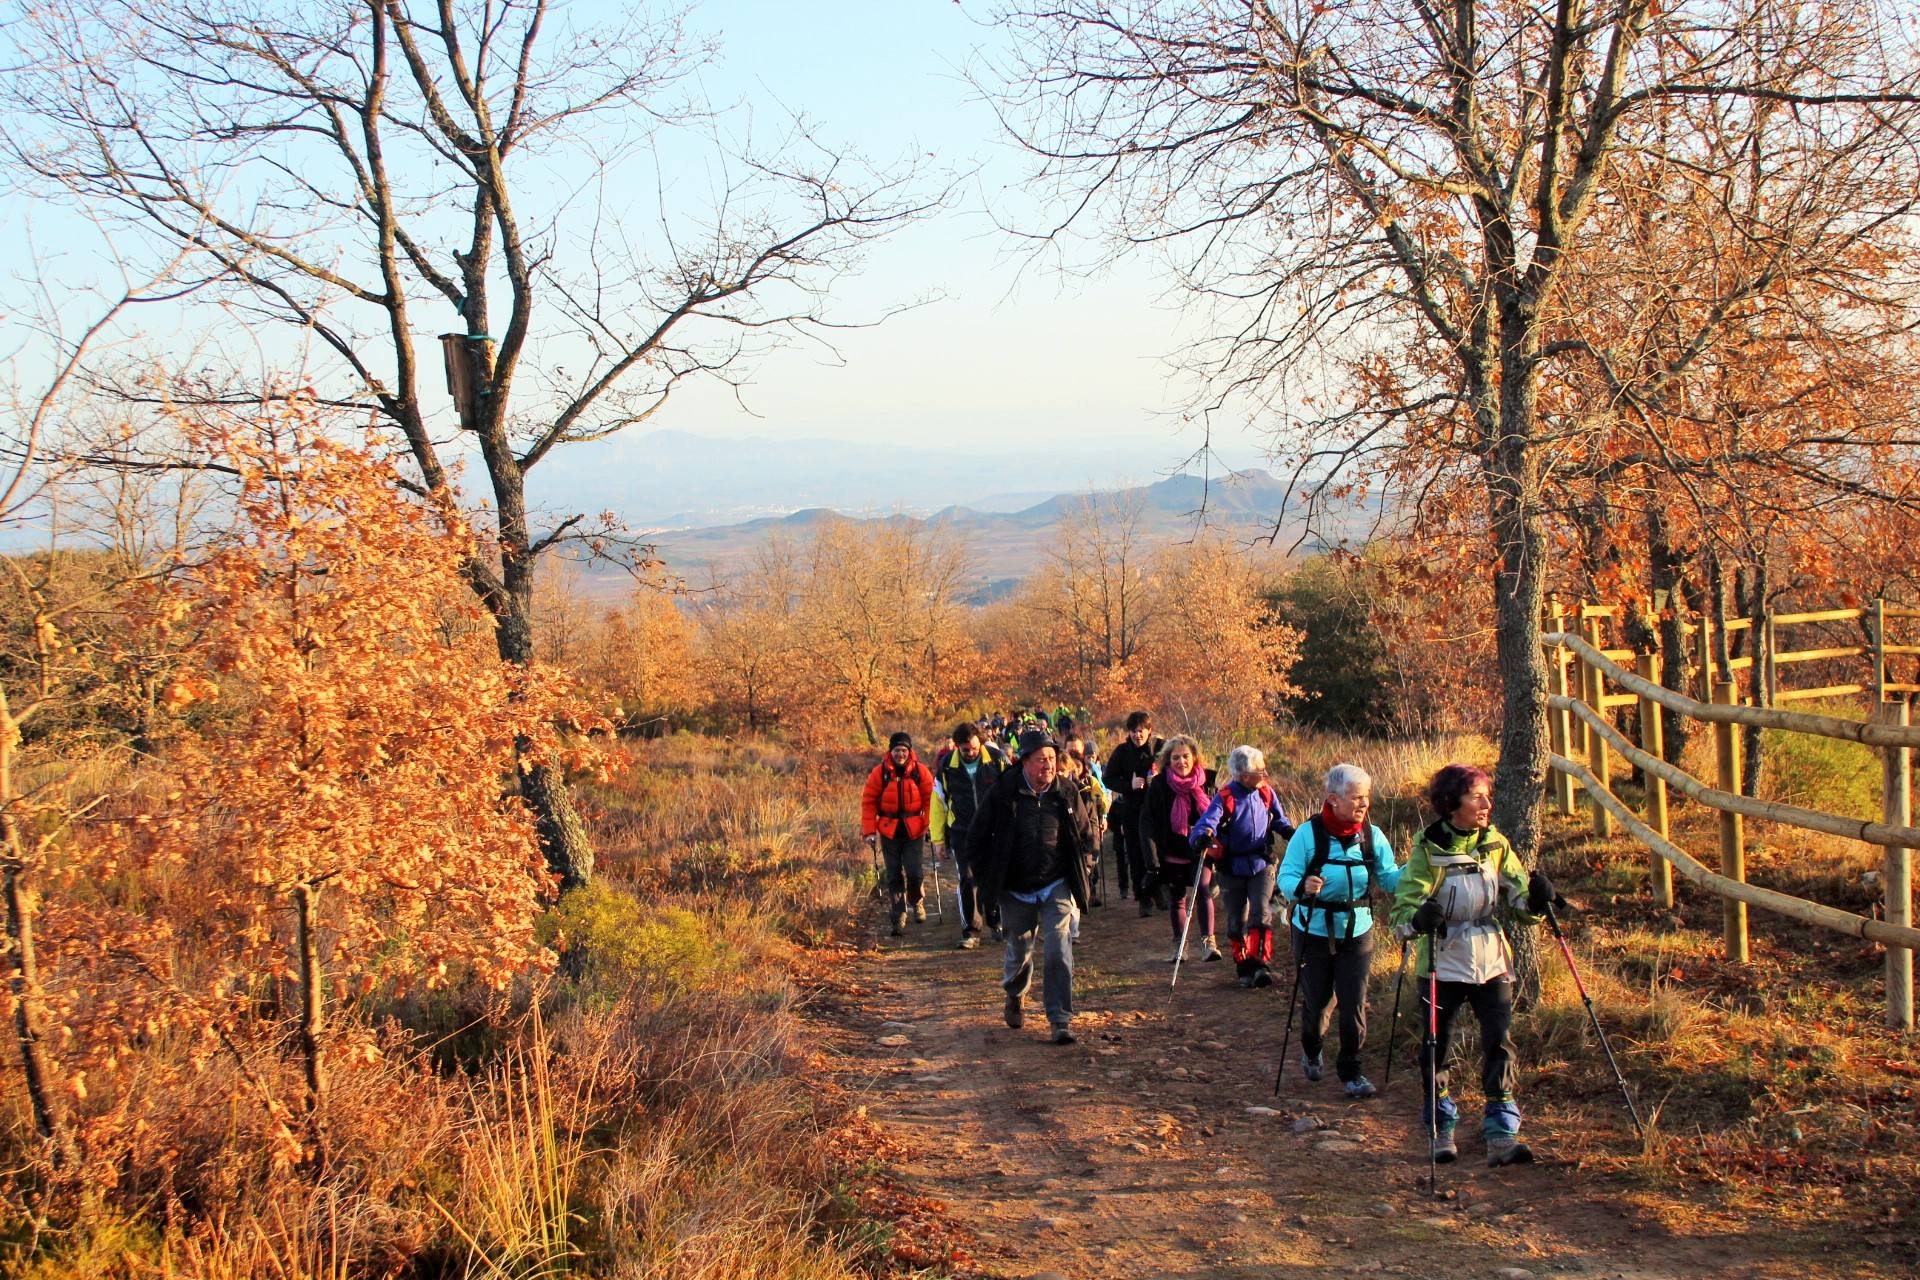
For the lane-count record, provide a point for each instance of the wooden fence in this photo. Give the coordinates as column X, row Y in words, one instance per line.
column 1588, row 681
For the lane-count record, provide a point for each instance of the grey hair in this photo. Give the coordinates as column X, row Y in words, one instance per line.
column 1245, row 762
column 1343, row 776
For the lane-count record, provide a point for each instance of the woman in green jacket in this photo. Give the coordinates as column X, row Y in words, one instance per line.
column 1461, row 884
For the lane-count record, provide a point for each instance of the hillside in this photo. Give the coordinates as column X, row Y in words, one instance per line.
column 685, row 480
column 1246, row 507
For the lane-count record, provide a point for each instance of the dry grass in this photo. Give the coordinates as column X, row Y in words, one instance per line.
column 645, row 1117
column 1773, row 1087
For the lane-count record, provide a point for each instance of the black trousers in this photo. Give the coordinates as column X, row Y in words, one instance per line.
column 905, row 857
column 1336, row 975
column 1492, row 1004
column 1130, row 844
column 974, row 912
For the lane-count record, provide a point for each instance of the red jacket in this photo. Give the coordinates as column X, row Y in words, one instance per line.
column 895, row 801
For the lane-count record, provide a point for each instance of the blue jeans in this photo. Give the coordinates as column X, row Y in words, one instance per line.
column 1053, row 921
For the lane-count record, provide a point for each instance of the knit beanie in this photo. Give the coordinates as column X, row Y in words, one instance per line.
column 900, row 740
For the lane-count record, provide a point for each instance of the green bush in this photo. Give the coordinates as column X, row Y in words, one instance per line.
column 1344, row 675
column 613, row 941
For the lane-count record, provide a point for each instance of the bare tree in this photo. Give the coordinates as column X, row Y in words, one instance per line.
column 1388, row 204
column 349, row 166
column 1096, row 595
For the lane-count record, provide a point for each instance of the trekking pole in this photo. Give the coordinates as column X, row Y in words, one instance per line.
column 1553, row 922
column 1193, row 909
column 1431, row 1048
column 1393, row 1028
column 1299, row 967
column 939, row 905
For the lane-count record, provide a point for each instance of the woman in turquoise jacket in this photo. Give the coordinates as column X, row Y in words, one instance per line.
column 1332, row 864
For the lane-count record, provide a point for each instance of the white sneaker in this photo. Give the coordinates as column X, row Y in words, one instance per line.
column 1213, row 951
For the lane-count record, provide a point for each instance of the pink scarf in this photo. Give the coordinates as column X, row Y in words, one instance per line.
column 1189, row 798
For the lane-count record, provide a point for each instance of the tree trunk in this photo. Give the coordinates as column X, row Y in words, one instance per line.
column 1668, row 574
column 1519, row 588
column 49, row 1112
column 29, row 1013
column 306, row 901
column 1753, row 590
column 866, row 721
column 563, row 833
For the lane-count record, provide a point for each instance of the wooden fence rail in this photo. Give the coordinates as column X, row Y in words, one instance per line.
column 1579, row 704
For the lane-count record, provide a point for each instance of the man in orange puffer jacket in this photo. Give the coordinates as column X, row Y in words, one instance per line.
column 893, row 811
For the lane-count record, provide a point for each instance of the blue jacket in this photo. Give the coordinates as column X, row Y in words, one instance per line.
column 1349, row 874
column 1248, row 833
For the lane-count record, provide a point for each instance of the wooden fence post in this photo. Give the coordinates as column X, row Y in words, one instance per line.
column 1653, row 742
column 1559, row 723
column 1599, row 755
column 1733, row 848
column 1897, row 864
column 1709, row 676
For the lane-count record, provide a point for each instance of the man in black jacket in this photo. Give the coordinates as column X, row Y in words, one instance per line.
column 1128, row 770
column 1029, row 846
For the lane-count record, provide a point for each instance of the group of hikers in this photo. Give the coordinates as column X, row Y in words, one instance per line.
column 1024, row 827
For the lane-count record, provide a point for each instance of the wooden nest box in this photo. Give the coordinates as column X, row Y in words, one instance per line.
column 469, row 360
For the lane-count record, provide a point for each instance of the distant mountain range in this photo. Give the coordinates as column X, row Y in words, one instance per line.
column 1007, row 546
column 674, row 480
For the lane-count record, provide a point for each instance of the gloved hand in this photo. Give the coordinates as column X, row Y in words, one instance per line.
column 871, row 840
column 1429, row 917
column 1215, row 852
column 1540, row 894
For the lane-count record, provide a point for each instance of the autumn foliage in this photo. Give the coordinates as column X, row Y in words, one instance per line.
column 333, row 820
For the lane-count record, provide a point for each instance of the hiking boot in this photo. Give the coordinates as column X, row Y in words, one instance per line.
column 1263, row 977
column 1179, row 954
column 1444, row 1152
column 1360, row 1087
column 999, row 934
column 920, row 912
column 899, row 923
column 969, row 940
column 1245, row 981
column 1016, row 1016
column 1505, row 1151
column 1146, row 907
column 1311, row 1067
column 1213, row 951
column 1062, row 1035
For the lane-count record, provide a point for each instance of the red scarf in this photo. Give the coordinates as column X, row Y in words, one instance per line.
column 1189, row 799
column 1336, row 828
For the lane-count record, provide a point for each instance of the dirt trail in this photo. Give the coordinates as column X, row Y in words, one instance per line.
column 1134, row 1153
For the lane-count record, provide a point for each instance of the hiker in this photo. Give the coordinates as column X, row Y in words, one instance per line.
column 1461, row 879
column 1238, row 832
column 1179, row 793
column 960, row 785
column 1029, row 845
column 893, row 812
column 1085, row 777
column 1331, row 867
column 1129, row 770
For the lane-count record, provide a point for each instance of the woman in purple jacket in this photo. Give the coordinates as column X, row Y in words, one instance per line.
column 1237, row 832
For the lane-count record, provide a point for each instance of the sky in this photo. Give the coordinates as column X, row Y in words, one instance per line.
column 999, row 350
column 1007, row 348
